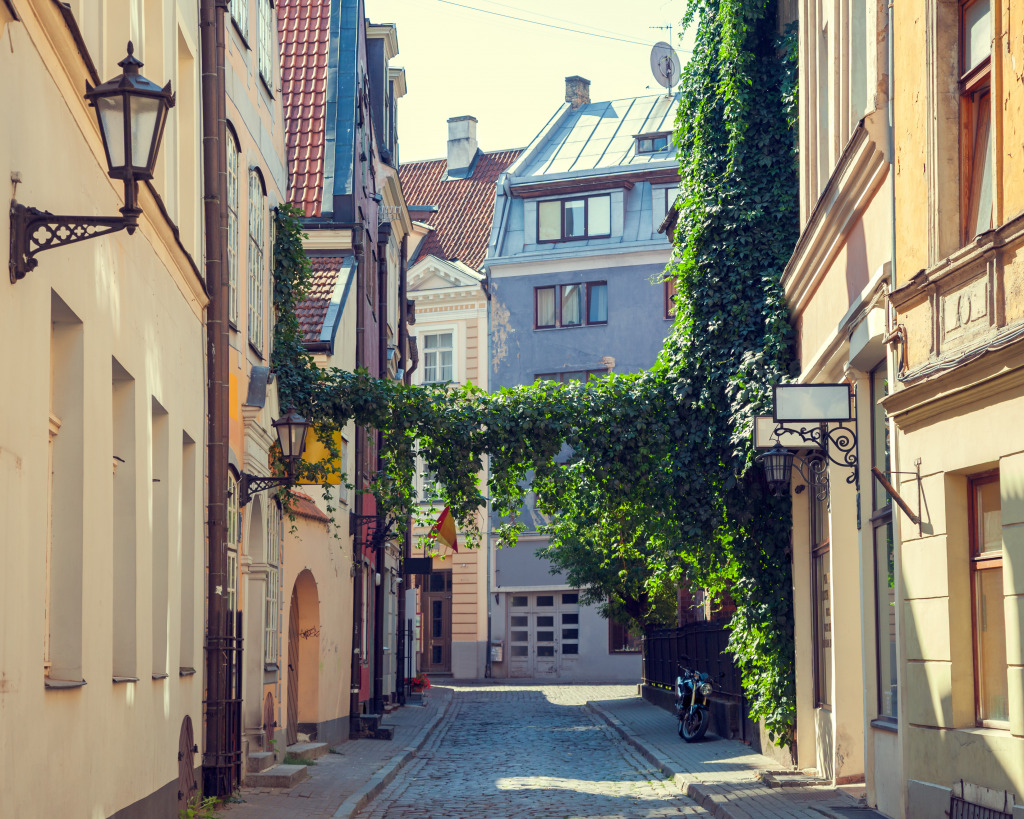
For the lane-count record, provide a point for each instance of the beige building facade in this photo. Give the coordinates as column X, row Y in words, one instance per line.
column 451, row 336
column 958, row 401
column 102, row 430
column 835, row 285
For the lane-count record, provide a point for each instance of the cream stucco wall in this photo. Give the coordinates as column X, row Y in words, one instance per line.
column 123, row 592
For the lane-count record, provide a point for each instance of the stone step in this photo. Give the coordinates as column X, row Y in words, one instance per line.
column 258, row 761
column 308, row 750
column 280, row 776
column 369, row 727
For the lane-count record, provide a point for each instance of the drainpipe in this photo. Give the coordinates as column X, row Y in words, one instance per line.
column 356, row 522
column 221, row 747
column 380, row 550
column 403, row 337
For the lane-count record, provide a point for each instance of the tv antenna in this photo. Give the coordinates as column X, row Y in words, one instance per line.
column 665, row 64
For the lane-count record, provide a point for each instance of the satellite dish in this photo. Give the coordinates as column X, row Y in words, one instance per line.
column 665, row 64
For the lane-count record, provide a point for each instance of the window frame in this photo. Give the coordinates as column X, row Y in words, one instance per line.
column 421, row 338
column 271, row 625
column 613, row 626
column 881, row 518
column 232, row 216
column 559, row 301
column 974, row 93
column 653, row 138
column 586, row 218
column 983, row 562
column 671, row 291
column 241, row 19
column 820, row 551
column 265, row 45
column 256, row 266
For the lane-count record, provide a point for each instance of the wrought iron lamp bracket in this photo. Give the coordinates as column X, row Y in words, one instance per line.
column 837, row 444
column 34, row 230
column 249, row 485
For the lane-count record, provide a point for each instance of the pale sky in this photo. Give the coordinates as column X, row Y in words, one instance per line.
column 510, row 75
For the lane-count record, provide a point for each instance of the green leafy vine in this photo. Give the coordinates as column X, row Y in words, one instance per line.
column 647, row 479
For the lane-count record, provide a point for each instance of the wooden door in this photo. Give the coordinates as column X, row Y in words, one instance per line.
column 437, row 612
column 292, row 731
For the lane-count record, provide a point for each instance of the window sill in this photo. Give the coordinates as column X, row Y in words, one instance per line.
column 186, row 671
column 61, row 684
column 886, row 724
column 241, row 35
column 572, row 326
column 271, row 667
column 266, row 87
column 256, row 350
column 125, row 679
column 160, row 676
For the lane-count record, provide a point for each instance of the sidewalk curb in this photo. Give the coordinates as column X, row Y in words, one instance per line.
column 389, row 770
column 691, row 785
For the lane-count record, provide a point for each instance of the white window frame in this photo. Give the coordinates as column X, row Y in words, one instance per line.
column 662, row 197
column 257, row 267
column 266, row 44
column 421, row 337
column 231, row 584
column 232, row 209
column 240, row 16
column 273, row 596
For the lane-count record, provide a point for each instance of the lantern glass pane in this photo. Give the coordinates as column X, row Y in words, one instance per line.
column 111, row 114
column 145, row 112
column 298, row 432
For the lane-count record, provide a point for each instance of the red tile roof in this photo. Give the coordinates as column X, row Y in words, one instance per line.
column 304, row 31
column 302, row 504
column 312, row 310
column 465, row 207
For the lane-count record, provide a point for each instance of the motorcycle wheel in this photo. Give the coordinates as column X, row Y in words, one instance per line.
column 694, row 724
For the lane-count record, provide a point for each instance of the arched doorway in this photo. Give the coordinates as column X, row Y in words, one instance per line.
column 303, row 657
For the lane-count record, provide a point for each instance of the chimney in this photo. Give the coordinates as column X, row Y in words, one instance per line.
column 462, row 146
column 577, row 91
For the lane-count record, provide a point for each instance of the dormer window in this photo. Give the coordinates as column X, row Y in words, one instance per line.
column 585, row 217
column 652, row 143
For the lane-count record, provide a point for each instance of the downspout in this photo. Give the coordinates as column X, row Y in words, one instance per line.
column 488, row 669
column 356, row 528
column 403, row 336
column 892, row 374
column 380, row 544
column 222, row 745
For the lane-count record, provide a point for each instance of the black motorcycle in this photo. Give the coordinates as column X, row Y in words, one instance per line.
column 692, row 691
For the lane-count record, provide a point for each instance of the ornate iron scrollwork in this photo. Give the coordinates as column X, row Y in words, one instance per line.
column 34, row 230
column 837, row 444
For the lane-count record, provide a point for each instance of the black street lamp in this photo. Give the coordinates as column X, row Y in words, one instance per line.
column 291, row 431
column 131, row 112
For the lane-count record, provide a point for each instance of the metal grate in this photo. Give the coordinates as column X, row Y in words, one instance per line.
column 962, row 809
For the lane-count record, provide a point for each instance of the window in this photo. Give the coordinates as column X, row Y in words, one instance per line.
column 570, row 305
column 232, row 580
column 240, row 14
column 266, row 64
column 437, row 358
column 232, row 513
column 621, row 640
column 257, row 232
column 986, row 543
column 885, row 560
column 586, row 217
column 670, row 298
column 270, row 652
column 821, row 568
column 573, row 375
column 232, row 168
column 652, row 143
column 975, row 117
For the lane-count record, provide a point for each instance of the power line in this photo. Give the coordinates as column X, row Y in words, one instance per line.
column 546, row 25
column 552, row 17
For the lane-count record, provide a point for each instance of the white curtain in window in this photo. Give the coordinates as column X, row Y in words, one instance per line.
column 572, row 304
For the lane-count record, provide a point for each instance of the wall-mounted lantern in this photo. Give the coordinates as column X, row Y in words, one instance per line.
column 131, row 112
column 291, row 431
column 815, row 417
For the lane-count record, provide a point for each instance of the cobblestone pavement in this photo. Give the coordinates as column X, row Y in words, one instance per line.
column 530, row 751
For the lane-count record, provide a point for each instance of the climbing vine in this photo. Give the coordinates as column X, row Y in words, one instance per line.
column 646, row 478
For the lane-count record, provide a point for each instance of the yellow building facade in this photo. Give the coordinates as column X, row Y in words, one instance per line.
column 102, row 430
column 958, row 400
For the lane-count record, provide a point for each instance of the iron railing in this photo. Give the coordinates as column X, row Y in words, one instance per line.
column 701, row 646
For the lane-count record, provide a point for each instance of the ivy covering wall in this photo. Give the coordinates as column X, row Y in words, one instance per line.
column 659, row 485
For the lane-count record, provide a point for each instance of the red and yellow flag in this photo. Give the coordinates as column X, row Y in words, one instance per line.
column 444, row 530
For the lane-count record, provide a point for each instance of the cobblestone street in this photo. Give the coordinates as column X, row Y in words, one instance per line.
column 531, row 752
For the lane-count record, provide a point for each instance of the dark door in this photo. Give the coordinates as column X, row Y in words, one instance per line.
column 292, row 731
column 187, row 787
column 437, row 611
